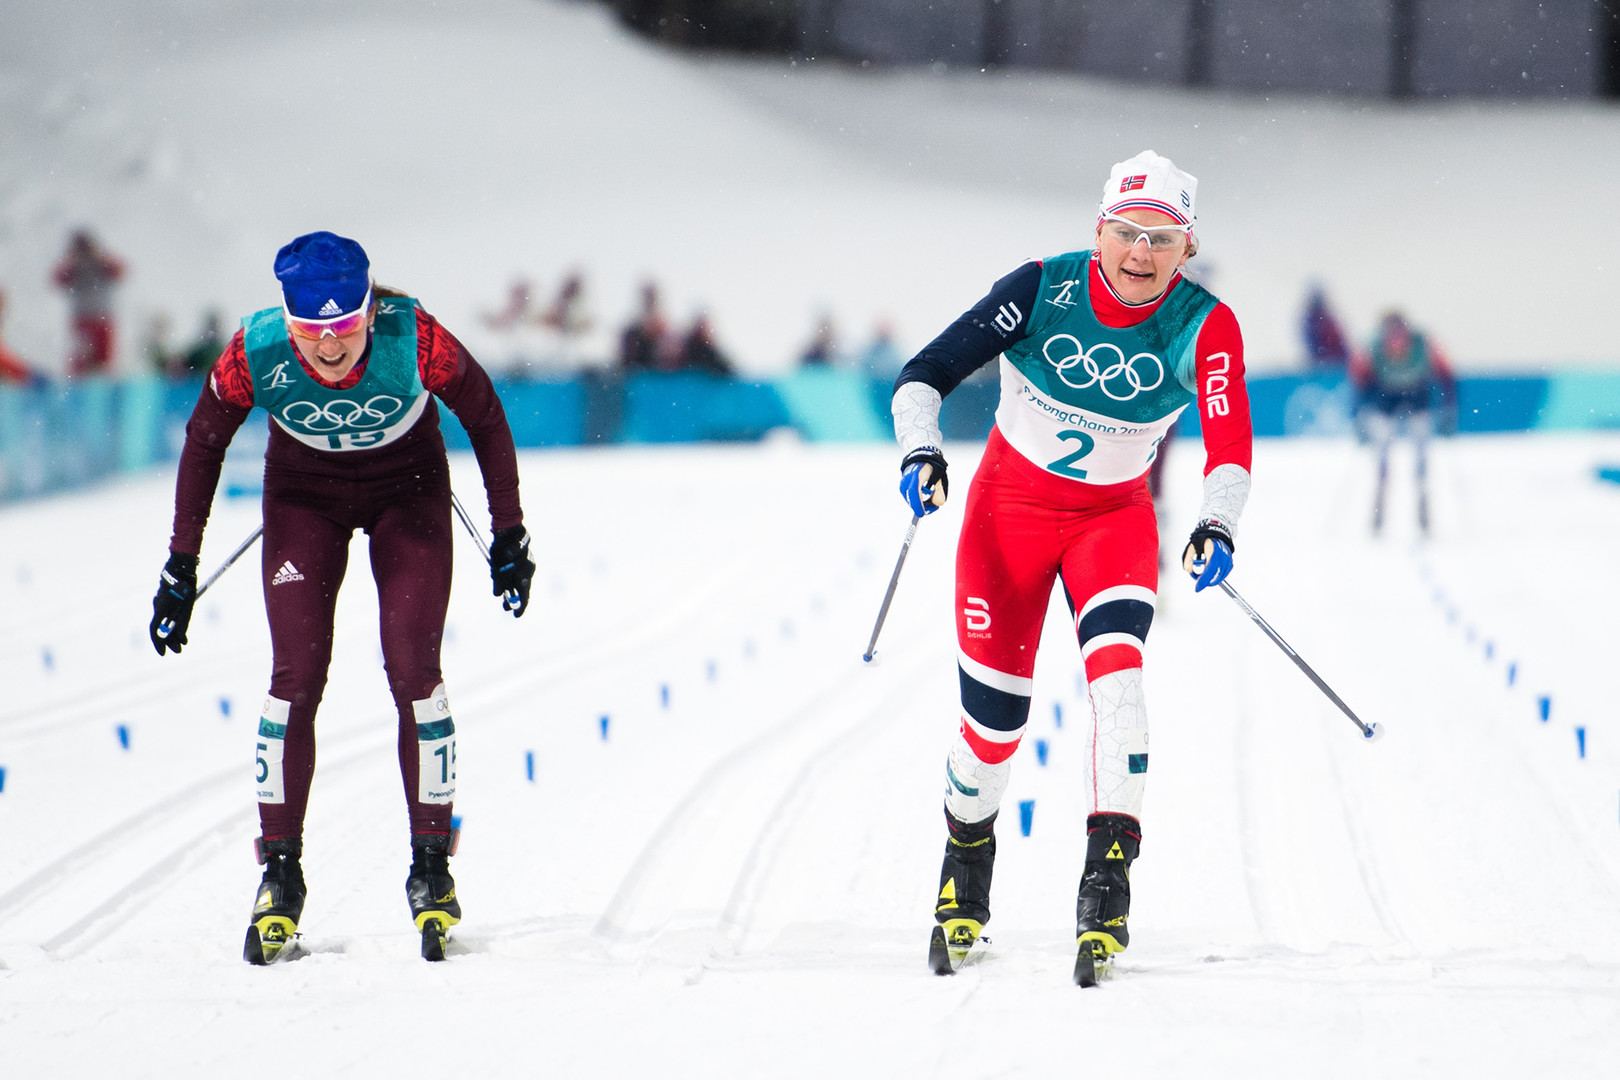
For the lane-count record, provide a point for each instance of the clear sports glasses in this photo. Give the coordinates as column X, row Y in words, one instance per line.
column 340, row 326
column 1125, row 232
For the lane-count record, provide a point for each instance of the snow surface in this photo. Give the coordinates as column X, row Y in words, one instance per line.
column 740, row 883
column 471, row 143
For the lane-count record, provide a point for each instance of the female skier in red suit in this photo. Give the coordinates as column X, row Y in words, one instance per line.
column 1101, row 350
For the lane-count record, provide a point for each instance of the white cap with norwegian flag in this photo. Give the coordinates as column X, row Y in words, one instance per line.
column 1150, row 181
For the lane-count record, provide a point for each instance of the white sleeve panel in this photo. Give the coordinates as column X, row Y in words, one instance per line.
column 916, row 416
column 1226, row 490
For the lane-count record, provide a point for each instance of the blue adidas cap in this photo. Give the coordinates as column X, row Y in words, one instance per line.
column 323, row 275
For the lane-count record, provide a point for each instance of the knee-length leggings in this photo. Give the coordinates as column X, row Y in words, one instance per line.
column 308, row 523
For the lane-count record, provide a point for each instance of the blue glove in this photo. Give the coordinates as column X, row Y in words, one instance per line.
column 922, row 480
column 1208, row 555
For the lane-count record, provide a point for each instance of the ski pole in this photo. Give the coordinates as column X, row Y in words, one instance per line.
column 1370, row 732
column 461, row 512
column 888, row 597
column 166, row 627
column 511, row 595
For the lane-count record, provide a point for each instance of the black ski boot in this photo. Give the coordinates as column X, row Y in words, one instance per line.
column 279, row 903
column 963, row 906
column 432, row 891
column 1112, row 843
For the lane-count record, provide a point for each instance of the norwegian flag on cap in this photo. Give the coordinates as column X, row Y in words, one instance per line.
column 1150, row 181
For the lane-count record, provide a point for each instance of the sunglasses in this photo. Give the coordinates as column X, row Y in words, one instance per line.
column 1125, row 232
column 341, row 326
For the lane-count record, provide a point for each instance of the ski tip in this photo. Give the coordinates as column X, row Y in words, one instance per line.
column 433, row 939
column 1090, row 961
column 1373, row 733
column 939, row 954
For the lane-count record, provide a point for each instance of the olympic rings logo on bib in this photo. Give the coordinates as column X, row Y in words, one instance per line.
column 1121, row 375
column 342, row 413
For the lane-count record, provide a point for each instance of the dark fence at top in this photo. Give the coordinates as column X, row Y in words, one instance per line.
column 1366, row 48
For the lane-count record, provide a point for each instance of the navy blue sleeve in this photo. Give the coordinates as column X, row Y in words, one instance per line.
column 979, row 335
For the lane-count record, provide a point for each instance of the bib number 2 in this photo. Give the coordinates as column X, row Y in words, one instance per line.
column 1064, row 466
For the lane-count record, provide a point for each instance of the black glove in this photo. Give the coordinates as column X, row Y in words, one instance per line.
column 171, row 607
column 511, row 569
column 922, row 480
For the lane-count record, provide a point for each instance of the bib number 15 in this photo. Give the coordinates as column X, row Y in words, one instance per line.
column 1064, row 466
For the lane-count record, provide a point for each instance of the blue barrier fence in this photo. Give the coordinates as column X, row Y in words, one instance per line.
column 62, row 436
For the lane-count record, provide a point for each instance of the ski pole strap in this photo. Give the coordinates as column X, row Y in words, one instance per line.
column 888, row 597
column 1368, row 731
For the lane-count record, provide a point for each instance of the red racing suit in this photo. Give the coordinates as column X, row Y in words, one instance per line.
column 1067, row 498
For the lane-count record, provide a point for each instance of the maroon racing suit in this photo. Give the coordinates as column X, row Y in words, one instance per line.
column 314, row 500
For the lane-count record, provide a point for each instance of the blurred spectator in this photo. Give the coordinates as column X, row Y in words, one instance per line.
column 562, row 327
column 155, row 348
column 644, row 344
column 516, row 310
column 698, row 350
column 881, row 358
column 1325, row 344
column 12, row 368
column 207, row 346
column 568, row 314
column 88, row 274
column 823, row 348
column 1402, row 383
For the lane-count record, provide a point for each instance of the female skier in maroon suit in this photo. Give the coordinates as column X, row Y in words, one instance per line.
column 348, row 373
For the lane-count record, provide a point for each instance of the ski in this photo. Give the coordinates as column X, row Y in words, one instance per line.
column 947, row 954
column 433, row 939
column 268, row 940
column 1092, row 962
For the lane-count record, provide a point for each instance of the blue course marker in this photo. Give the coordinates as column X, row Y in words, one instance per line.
column 1580, row 742
column 663, row 695
column 1513, row 672
column 1057, row 715
column 123, row 736
column 1490, row 650
column 712, row 670
column 604, row 725
column 2, row 778
column 1040, row 751
column 528, row 764
column 1544, row 703
column 225, row 707
column 1026, row 814
column 48, row 660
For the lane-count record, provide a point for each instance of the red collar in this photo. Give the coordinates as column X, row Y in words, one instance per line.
column 1111, row 310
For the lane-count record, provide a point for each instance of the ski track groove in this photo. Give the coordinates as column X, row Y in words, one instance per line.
column 355, row 747
column 736, row 916
column 1360, row 844
column 61, row 874
column 759, row 866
